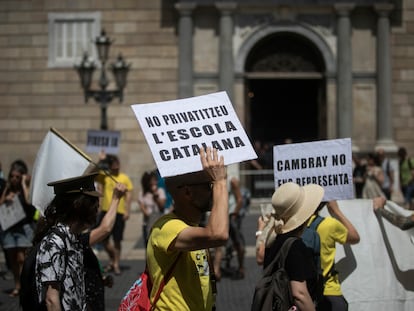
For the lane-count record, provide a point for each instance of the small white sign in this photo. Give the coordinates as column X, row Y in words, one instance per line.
column 176, row 130
column 103, row 140
column 327, row 163
column 11, row 213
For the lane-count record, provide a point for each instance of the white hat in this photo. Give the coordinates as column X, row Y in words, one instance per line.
column 295, row 204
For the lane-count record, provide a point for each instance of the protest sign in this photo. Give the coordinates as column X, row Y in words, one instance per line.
column 176, row 130
column 103, row 140
column 11, row 213
column 327, row 163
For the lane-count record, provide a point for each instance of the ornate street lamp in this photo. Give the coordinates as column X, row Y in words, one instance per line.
column 119, row 69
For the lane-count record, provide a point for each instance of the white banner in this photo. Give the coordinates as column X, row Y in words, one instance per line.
column 55, row 160
column 327, row 163
column 176, row 130
column 378, row 272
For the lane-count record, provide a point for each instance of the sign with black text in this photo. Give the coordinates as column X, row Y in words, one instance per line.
column 176, row 130
column 103, row 140
column 327, row 163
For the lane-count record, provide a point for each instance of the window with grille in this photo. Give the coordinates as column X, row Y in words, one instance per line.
column 70, row 36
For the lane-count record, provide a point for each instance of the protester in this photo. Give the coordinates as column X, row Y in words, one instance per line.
column 151, row 200
column 106, row 185
column 191, row 286
column 236, row 236
column 292, row 207
column 17, row 238
column 374, row 178
column 333, row 230
column 169, row 202
column 406, row 172
column 387, row 168
column 358, row 175
column 95, row 281
column 59, row 263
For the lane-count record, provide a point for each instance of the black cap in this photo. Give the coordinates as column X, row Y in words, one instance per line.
column 83, row 184
column 187, row 179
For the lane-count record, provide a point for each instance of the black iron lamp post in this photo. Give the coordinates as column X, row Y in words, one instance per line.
column 119, row 69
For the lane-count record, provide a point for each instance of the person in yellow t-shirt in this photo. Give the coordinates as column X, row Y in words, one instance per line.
column 191, row 285
column 332, row 230
column 106, row 185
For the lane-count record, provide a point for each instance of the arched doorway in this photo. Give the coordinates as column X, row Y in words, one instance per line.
column 285, row 89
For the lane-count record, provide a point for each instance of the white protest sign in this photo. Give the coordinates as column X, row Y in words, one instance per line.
column 327, row 163
column 103, row 140
column 11, row 213
column 176, row 130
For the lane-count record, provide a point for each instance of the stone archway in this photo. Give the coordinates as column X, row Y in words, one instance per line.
column 285, row 69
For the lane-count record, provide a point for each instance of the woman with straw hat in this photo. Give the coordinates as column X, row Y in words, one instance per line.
column 292, row 206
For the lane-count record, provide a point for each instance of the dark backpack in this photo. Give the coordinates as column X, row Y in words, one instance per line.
column 28, row 296
column 273, row 290
column 310, row 237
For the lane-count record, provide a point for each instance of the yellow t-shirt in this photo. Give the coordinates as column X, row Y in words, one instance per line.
column 189, row 287
column 331, row 231
column 108, row 187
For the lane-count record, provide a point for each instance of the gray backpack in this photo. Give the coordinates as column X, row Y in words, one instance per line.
column 273, row 291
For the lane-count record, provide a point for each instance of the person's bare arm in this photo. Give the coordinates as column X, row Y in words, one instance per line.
column 260, row 244
column 235, row 189
column 402, row 222
column 353, row 235
column 25, row 187
column 301, row 296
column 128, row 199
column 52, row 298
column 99, row 233
column 216, row 231
column 3, row 197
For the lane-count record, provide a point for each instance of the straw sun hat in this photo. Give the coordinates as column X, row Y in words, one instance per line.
column 292, row 205
column 295, row 204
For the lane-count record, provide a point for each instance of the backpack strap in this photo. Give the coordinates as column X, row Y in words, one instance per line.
column 281, row 255
column 316, row 222
column 314, row 225
column 164, row 281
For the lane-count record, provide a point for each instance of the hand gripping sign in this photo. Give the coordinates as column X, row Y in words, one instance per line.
column 176, row 130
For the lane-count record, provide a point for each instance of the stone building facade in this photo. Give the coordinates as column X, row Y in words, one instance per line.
column 306, row 70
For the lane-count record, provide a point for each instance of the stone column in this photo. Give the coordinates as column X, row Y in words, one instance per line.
column 226, row 62
column 185, row 49
column 384, row 79
column 344, row 113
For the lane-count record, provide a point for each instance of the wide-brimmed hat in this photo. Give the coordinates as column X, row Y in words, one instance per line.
column 83, row 184
column 295, row 204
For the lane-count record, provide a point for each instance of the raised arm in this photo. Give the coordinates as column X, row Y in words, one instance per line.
column 216, row 231
column 334, row 210
column 99, row 233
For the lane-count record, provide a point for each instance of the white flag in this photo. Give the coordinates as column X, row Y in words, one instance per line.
column 55, row 160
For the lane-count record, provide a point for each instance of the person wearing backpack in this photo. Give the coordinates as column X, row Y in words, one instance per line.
column 292, row 206
column 59, row 268
column 332, row 230
column 95, row 280
column 191, row 284
column 235, row 233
